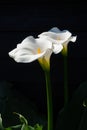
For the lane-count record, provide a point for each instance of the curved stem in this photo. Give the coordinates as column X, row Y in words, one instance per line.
column 49, row 100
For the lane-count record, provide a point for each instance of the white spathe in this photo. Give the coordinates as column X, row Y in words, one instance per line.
column 27, row 50
column 31, row 49
column 56, row 36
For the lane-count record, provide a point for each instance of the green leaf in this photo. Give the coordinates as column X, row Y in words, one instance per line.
column 38, row 127
column 1, row 126
column 26, row 127
column 16, row 127
column 74, row 117
column 22, row 118
column 8, row 128
column 31, row 128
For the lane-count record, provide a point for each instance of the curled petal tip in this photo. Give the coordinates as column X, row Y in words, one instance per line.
column 73, row 38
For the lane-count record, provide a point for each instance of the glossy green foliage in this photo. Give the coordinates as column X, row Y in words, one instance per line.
column 22, row 126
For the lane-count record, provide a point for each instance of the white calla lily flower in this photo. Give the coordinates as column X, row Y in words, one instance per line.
column 31, row 49
column 58, row 37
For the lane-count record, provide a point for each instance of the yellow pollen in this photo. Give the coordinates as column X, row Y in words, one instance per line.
column 38, row 50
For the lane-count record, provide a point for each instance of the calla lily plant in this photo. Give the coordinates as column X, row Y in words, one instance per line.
column 41, row 49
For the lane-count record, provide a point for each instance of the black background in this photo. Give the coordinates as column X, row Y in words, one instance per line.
column 19, row 19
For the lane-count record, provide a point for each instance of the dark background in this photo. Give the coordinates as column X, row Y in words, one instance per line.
column 19, row 19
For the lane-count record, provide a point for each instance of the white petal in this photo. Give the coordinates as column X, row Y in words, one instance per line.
column 43, row 43
column 67, row 34
column 28, row 42
column 58, row 31
column 12, row 53
column 55, row 29
column 48, row 34
column 48, row 54
column 60, row 38
column 26, row 57
column 73, row 38
column 57, row 48
column 28, row 39
column 33, row 44
column 27, row 51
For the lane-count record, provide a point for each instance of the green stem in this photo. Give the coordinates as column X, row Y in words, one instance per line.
column 49, row 100
column 65, row 81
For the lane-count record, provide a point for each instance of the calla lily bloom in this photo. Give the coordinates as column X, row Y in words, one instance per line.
column 31, row 49
column 57, row 36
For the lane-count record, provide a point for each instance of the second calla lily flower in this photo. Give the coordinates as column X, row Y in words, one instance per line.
column 57, row 36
